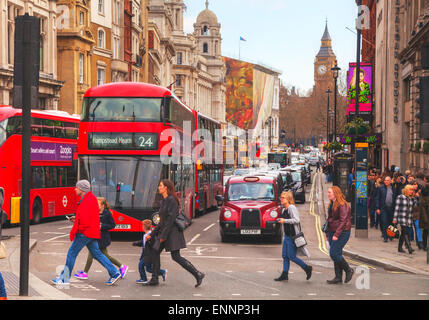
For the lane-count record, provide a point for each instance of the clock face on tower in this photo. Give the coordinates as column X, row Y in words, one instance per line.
column 322, row 69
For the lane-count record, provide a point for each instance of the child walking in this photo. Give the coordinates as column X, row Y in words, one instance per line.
column 144, row 263
column 107, row 223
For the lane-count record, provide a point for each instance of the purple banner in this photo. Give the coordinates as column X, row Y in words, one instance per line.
column 47, row 151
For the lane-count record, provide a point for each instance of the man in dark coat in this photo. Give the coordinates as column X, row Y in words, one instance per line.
column 385, row 205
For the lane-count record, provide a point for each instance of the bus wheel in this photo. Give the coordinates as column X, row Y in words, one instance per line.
column 37, row 211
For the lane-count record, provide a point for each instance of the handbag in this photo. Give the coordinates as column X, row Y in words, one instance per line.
column 299, row 239
column 3, row 253
column 325, row 226
column 182, row 221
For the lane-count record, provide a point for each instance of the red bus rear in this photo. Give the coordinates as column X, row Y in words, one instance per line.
column 124, row 144
column 53, row 163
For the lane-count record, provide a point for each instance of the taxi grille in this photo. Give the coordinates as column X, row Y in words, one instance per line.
column 250, row 218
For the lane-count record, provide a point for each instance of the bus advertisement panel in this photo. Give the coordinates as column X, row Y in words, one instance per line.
column 53, row 163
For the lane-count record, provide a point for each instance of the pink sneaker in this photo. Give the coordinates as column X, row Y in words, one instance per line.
column 81, row 275
column 123, row 270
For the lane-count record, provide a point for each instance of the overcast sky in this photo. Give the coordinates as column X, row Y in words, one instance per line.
column 283, row 34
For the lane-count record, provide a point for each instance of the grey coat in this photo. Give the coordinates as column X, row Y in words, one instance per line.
column 294, row 219
column 167, row 229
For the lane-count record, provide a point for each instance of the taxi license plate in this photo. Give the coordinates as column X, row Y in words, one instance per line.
column 123, row 226
column 250, row 231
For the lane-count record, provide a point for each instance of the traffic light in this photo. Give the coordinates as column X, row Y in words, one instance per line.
column 423, row 101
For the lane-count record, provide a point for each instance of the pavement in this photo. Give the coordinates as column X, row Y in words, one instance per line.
column 371, row 250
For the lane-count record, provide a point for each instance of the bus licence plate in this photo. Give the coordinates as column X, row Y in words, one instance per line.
column 250, row 231
column 123, row 226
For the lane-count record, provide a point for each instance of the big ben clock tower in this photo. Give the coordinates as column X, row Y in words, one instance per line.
column 325, row 60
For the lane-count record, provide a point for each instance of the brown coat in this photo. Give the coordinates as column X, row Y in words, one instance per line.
column 339, row 220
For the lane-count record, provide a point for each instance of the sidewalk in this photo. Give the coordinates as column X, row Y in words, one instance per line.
column 9, row 267
column 373, row 250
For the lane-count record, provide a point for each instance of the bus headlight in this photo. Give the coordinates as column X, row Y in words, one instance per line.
column 227, row 214
column 273, row 214
column 155, row 218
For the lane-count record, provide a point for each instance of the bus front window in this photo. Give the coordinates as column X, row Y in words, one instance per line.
column 3, row 133
column 122, row 109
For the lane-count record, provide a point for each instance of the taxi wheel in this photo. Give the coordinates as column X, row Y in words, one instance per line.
column 224, row 238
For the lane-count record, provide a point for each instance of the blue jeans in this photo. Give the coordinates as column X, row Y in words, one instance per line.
column 148, row 267
column 336, row 247
column 2, row 287
column 419, row 237
column 77, row 245
column 289, row 254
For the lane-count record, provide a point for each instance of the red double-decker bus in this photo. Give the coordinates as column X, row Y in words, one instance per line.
column 209, row 163
column 53, row 163
column 126, row 147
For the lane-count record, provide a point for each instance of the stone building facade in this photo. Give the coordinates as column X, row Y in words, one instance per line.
column 50, row 83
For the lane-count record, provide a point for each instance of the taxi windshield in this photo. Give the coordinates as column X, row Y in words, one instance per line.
column 251, row 191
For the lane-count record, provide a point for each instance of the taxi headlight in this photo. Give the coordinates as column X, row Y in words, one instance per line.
column 273, row 214
column 227, row 214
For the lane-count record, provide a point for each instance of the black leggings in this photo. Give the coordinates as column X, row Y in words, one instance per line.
column 175, row 255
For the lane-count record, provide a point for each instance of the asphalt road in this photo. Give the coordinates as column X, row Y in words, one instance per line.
column 238, row 270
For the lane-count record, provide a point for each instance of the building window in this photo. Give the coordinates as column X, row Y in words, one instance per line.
column 101, row 76
column 205, row 48
column 205, row 31
column 101, row 38
column 81, row 67
column 179, row 58
column 81, row 18
column 41, row 54
column 178, row 80
column 101, row 6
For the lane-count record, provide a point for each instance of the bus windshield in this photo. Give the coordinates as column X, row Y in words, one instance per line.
column 129, row 182
column 122, row 109
column 3, row 133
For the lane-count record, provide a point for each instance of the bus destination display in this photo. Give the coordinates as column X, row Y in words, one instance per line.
column 123, row 141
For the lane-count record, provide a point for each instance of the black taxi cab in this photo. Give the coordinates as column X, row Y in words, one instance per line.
column 250, row 207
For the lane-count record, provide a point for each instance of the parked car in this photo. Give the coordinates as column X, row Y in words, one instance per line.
column 251, row 206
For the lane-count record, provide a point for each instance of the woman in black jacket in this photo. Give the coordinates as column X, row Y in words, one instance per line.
column 107, row 224
column 167, row 235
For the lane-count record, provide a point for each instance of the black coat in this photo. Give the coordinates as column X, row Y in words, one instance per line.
column 167, row 229
column 107, row 223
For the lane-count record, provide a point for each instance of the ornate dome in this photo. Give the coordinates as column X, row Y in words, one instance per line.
column 207, row 16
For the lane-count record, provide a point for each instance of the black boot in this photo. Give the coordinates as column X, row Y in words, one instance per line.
column 425, row 240
column 308, row 271
column 419, row 245
column 283, row 277
column 349, row 271
column 199, row 276
column 153, row 282
column 338, row 275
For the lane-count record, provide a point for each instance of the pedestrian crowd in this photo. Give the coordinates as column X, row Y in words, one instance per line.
column 399, row 200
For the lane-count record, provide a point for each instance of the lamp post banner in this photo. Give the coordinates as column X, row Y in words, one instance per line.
column 365, row 85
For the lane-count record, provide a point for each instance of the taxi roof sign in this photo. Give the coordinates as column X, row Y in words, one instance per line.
column 251, row 179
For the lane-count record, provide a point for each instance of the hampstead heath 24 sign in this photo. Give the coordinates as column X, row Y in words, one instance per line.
column 123, row 141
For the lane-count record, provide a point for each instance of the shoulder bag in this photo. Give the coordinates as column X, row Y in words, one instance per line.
column 182, row 221
column 299, row 239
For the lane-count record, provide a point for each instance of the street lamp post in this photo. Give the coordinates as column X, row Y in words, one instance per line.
column 327, row 121
column 335, row 73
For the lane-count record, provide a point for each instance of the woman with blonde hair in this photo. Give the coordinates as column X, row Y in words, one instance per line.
column 339, row 226
column 291, row 226
column 404, row 216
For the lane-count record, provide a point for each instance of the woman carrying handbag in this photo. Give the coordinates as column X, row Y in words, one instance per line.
column 168, row 236
column 292, row 228
column 339, row 226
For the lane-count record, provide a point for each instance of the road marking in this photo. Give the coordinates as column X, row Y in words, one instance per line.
column 156, row 295
column 258, row 285
column 311, row 294
column 422, row 294
column 350, row 294
column 193, row 239
column 275, row 294
column 197, row 294
column 261, row 271
column 54, row 238
column 115, row 296
column 209, row 227
column 236, row 294
column 386, row 294
column 229, row 271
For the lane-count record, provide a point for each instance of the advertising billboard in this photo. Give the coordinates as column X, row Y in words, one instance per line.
column 365, row 85
column 239, row 93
